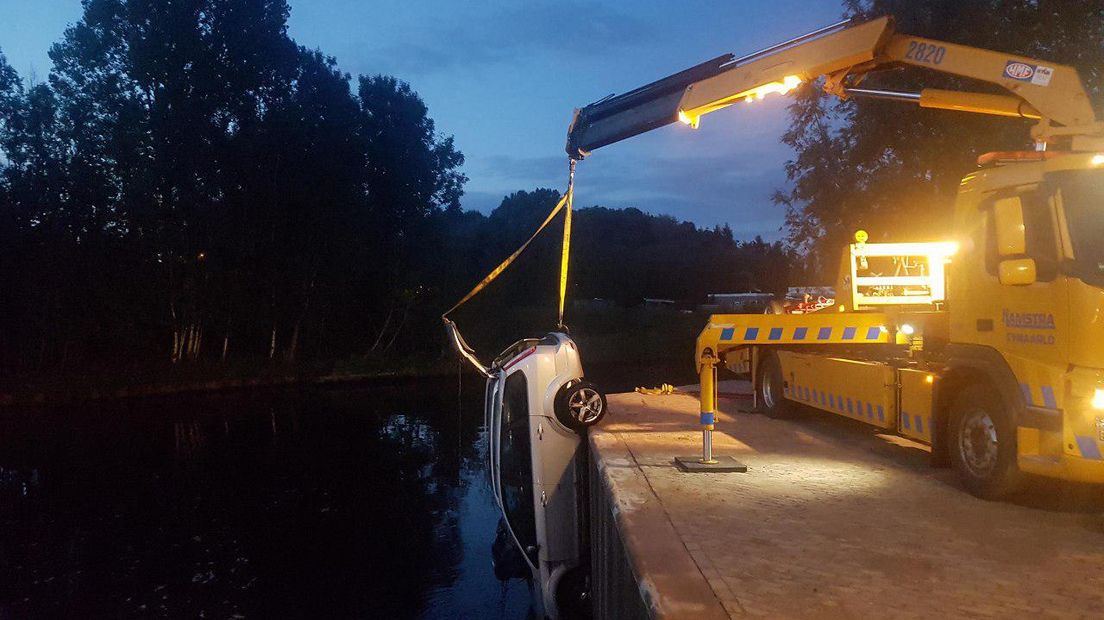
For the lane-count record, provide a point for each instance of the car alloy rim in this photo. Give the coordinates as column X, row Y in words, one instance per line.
column 585, row 405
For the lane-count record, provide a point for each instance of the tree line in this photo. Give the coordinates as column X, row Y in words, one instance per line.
column 189, row 184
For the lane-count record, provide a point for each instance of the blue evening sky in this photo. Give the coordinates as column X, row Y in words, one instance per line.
column 503, row 77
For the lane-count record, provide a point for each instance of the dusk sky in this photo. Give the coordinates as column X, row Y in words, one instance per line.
column 503, row 77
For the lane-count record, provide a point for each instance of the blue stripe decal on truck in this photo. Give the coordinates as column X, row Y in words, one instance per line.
column 849, row 333
column 800, row 332
column 1048, row 398
column 825, row 333
column 752, row 333
column 1088, row 447
column 775, row 333
column 872, row 333
column 727, row 333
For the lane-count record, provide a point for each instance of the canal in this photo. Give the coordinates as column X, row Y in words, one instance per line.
column 365, row 501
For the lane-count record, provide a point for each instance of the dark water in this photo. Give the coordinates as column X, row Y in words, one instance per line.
column 325, row 503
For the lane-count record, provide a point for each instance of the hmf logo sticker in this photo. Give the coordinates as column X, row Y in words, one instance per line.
column 1023, row 72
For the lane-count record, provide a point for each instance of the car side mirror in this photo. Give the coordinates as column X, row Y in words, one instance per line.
column 1017, row 271
column 1009, row 220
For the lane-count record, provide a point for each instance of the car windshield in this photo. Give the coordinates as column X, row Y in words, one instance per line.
column 1083, row 199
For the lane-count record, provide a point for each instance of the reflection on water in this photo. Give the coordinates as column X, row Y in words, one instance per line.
column 367, row 502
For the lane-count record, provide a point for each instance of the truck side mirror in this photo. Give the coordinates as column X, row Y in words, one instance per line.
column 1011, row 235
column 1017, row 271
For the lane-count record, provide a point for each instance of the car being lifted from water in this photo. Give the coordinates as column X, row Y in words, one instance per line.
column 538, row 406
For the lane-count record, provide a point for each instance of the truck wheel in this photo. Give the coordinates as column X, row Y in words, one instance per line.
column 769, row 387
column 983, row 443
column 580, row 404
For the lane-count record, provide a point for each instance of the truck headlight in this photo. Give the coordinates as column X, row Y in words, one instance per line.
column 1098, row 399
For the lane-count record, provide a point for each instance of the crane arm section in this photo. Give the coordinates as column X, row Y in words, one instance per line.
column 1041, row 90
column 1054, row 90
column 783, row 70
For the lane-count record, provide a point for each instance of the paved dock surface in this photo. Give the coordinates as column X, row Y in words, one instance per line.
column 833, row 520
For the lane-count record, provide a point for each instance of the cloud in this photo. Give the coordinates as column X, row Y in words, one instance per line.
column 493, row 35
column 708, row 190
column 552, row 168
column 483, row 202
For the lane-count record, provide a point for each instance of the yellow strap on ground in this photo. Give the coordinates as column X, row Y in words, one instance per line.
column 662, row 390
column 497, row 271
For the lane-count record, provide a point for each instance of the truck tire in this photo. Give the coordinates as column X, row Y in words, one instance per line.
column 769, row 387
column 983, row 443
column 579, row 405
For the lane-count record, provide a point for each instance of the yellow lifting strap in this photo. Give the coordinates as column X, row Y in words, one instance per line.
column 564, row 203
column 569, row 196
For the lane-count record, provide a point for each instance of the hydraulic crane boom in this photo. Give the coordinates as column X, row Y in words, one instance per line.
column 844, row 54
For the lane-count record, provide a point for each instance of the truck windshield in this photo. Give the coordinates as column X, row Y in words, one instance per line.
column 1083, row 199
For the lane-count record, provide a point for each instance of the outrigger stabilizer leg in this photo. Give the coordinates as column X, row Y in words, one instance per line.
column 708, row 462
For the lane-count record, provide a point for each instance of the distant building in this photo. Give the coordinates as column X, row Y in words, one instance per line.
column 738, row 303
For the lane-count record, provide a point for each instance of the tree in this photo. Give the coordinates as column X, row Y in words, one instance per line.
column 894, row 169
column 411, row 174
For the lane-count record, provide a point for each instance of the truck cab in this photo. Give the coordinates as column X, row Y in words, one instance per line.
column 1027, row 303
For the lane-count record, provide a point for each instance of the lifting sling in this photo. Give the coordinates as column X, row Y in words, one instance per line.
column 565, row 204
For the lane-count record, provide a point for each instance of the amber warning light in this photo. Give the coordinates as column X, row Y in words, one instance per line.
column 758, row 93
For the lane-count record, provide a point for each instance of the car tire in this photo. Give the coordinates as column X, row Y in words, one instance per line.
column 580, row 405
column 573, row 599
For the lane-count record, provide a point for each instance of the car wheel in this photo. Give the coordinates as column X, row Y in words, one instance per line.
column 580, row 405
column 573, row 594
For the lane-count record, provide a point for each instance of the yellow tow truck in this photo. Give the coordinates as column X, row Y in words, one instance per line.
column 989, row 346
